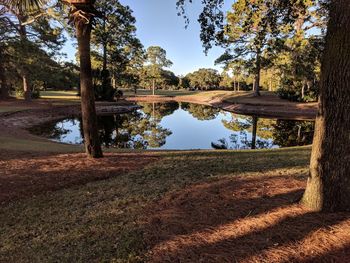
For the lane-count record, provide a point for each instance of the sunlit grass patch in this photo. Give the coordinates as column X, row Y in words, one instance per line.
column 30, row 145
column 171, row 93
column 64, row 95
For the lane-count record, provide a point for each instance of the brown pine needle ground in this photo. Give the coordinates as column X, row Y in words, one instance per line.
column 245, row 219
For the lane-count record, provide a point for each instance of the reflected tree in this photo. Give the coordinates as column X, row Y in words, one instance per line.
column 201, row 112
column 260, row 130
column 136, row 130
column 289, row 133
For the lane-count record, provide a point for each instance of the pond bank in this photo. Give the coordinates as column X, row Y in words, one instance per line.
column 17, row 116
column 267, row 105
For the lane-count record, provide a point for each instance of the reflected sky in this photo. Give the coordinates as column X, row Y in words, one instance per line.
column 185, row 126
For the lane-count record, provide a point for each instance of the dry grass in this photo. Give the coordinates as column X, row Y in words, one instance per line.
column 104, row 220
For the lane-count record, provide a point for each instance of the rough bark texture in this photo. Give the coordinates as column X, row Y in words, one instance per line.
column 4, row 91
column 328, row 186
column 23, row 36
column 91, row 139
column 105, row 73
column 257, row 75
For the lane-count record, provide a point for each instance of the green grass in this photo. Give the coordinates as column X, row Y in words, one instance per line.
column 28, row 145
column 102, row 221
column 64, row 95
column 171, row 93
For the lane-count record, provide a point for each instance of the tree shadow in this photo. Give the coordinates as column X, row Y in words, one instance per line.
column 245, row 220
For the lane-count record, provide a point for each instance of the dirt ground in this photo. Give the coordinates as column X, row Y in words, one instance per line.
column 245, row 219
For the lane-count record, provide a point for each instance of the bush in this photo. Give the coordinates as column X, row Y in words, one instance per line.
column 118, row 94
column 20, row 93
column 293, row 93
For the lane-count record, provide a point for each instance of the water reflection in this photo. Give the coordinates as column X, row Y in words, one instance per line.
column 184, row 126
column 252, row 132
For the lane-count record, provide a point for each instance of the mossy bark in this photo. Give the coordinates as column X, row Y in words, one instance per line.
column 328, row 186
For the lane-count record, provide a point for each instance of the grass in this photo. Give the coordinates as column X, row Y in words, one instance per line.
column 103, row 221
column 170, row 93
column 28, row 145
column 62, row 95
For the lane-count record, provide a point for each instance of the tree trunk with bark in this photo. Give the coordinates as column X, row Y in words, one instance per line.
column 91, row 138
column 328, row 186
column 257, row 74
column 24, row 72
column 4, row 90
column 105, row 73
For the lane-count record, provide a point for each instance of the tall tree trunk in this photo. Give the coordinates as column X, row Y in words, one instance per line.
column 328, row 186
column 91, row 139
column 153, row 86
column 24, row 72
column 257, row 74
column 105, row 73
column 303, row 89
column 4, row 90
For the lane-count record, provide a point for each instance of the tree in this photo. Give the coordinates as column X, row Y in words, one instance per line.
column 29, row 37
column 115, row 42
column 82, row 15
column 157, row 60
column 328, row 186
column 300, row 48
column 249, row 27
column 204, row 79
column 6, row 30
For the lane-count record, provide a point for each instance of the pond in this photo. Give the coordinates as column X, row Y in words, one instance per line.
column 184, row 126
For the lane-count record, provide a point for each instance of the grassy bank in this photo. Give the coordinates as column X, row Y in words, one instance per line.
column 104, row 220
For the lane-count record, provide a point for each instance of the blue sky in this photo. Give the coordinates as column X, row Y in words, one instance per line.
column 158, row 24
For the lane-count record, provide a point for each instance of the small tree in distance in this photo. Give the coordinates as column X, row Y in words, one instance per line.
column 157, row 60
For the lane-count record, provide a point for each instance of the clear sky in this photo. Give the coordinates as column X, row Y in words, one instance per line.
column 158, row 25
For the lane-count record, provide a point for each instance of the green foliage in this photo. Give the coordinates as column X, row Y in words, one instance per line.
column 19, row 92
column 279, row 42
column 117, row 53
column 29, row 48
column 204, row 79
column 153, row 74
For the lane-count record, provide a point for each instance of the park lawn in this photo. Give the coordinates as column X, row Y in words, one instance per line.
column 9, row 143
column 104, row 220
column 70, row 95
column 169, row 93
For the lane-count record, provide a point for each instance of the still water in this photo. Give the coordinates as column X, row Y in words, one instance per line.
column 184, row 126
